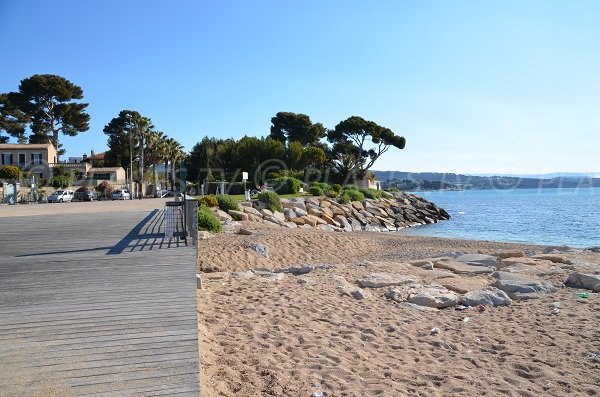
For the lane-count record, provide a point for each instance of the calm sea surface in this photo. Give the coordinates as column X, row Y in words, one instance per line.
column 539, row 216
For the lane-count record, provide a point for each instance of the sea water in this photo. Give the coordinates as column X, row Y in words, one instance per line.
column 538, row 216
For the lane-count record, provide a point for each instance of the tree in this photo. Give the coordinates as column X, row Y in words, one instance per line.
column 12, row 121
column 294, row 155
column 141, row 128
column 296, row 127
column 313, row 156
column 175, row 153
column 47, row 102
column 10, row 173
column 352, row 139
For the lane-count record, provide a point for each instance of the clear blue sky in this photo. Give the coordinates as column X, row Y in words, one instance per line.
column 474, row 86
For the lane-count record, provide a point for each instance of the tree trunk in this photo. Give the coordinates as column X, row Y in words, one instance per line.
column 141, row 166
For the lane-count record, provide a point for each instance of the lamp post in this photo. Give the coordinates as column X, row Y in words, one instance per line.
column 130, row 157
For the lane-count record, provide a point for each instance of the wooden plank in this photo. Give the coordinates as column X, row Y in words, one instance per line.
column 103, row 310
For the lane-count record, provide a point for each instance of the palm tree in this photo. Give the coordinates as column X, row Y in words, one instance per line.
column 141, row 129
column 175, row 154
column 155, row 143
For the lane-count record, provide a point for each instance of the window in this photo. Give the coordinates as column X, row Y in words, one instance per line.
column 7, row 159
column 36, row 158
column 22, row 159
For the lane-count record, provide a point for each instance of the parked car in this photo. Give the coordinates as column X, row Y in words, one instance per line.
column 85, row 195
column 121, row 194
column 61, row 196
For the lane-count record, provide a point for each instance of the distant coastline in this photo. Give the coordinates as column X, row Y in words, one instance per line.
column 433, row 181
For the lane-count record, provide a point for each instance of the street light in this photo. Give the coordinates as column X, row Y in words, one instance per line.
column 130, row 157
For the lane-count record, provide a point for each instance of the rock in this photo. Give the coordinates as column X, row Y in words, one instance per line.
column 463, row 284
column 259, row 205
column 246, row 274
column 347, row 289
column 279, row 216
column 379, row 280
column 343, row 222
column 255, row 218
column 462, row 268
column 230, row 225
column 315, row 211
column 300, row 212
column 419, row 308
column 221, row 215
column 297, row 270
column 479, row 260
column 357, row 205
column 435, row 331
column 427, row 266
column 290, row 225
column 245, row 232
column 262, row 249
column 508, row 254
column 274, row 220
column 298, row 221
column 271, row 276
column 433, row 296
column 298, row 203
column 327, row 228
column 309, row 220
column 289, row 213
column 329, row 220
column 251, row 210
column 525, row 261
column 245, row 203
column 537, row 270
column 585, row 281
column 266, row 212
column 239, row 215
column 488, row 296
column 317, row 220
column 521, row 287
column 553, row 258
column 204, row 235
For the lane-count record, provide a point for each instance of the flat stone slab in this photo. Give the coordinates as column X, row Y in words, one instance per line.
column 585, row 281
column 490, row 296
column 463, row 268
column 521, row 287
column 432, row 296
column 379, row 280
column 463, row 284
column 479, row 260
column 526, row 261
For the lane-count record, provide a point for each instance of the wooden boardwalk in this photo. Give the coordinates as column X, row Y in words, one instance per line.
column 96, row 305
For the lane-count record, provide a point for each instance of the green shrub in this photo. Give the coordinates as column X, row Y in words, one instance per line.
column 387, row 195
column 208, row 221
column 330, row 193
column 10, row 173
column 286, row 185
column 394, row 189
column 227, row 203
column 350, row 187
column 372, row 193
column 353, row 195
column 323, row 186
column 344, row 199
column 271, row 199
column 209, row 201
column 315, row 190
column 337, row 188
column 61, row 181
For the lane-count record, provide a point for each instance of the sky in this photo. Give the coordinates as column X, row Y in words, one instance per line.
column 473, row 86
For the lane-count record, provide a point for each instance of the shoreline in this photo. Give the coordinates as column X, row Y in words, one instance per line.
column 290, row 334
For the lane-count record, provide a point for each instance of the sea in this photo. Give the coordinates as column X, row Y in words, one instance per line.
column 558, row 217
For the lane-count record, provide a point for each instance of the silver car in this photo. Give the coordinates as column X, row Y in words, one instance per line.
column 61, row 196
column 121, row 194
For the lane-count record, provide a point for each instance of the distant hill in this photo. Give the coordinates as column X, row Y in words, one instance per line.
column 422, row 181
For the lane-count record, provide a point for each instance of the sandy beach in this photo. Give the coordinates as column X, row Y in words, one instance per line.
column 280, row 334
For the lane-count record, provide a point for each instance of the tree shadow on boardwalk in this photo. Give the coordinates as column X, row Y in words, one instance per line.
column 147, row 235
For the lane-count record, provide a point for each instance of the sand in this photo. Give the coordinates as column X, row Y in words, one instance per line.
column 261, row 337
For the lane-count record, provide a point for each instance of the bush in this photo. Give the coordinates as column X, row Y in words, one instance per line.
column 315, row 191
column 209, row 201
column 353, row 195
column 208, row 221
column 394, row 190
column 372, row 193
column 387, row 195
column 84, row 188
column 323, row 186
column 350, row 187
column 10, row 173
column 227, row 203
column 286, row 185
column 61, row 181
column 337, row 188
column 330, row 193
column 271, row 199
column 344, row 199
column 105, row 189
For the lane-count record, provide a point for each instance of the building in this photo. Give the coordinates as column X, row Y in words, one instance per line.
column 35, row 158
column 113, row 174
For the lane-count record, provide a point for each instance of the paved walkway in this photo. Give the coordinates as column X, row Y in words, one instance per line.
column 96, row 304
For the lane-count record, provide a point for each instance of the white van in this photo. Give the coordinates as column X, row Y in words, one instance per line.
column 61, row 196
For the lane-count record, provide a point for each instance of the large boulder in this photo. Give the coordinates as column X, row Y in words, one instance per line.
column 433, row 296
column 522, row 287
column 347, row 289
column 289, row 213
column 462, row 284
column 357, row 205
column 330, row 220
column 241, row 216
column 379, row 280
column 479, row 260
column 486, row 296
column 300, row 211
column 252, row 211
column 343, row 222
column 585, row 281
column 279, row 215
